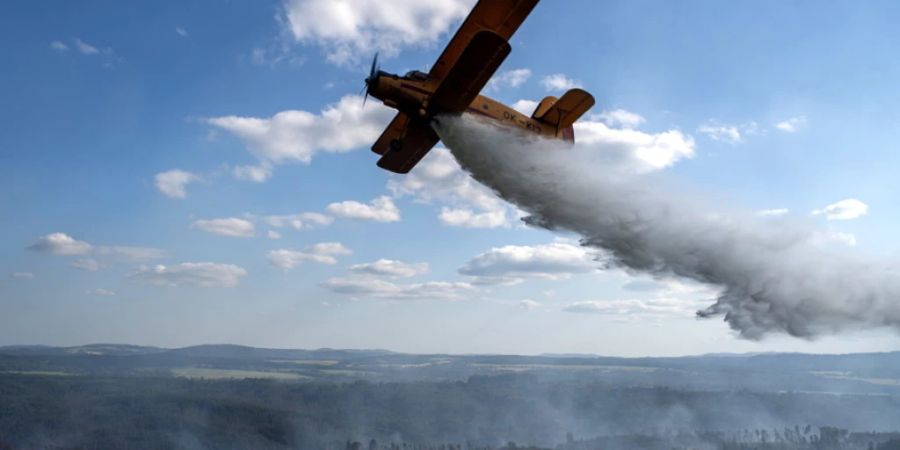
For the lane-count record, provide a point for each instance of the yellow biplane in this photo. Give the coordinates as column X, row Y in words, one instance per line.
column 453, row 84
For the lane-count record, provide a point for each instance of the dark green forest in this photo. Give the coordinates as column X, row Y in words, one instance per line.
column 224, row 398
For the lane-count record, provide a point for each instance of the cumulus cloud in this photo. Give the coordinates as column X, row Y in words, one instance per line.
column 528, row 304
column 730, row 134
column 390, row 268
column 634, row 307
column 85, row 48
column 296, row 136
column 257, row 174
column 61, row 244
column 438, row 178
column 508, row 78
column 791, row 125
column 621, row 118
column 231, row 226
column 300, row 221
column 129, row 254
column 467, row 218
column 559, row 82
column 383, row 289
column 633, row 150
column 87, row 264
column 201, row 274
column 64, row 245
column 322, row 253
column 525, row 106
column 773, row 212
column 514, row 263
column 350, row 31
column 173, row 182
column 22, row 275
column 99, row 292
column 847, row 209
column 272, row 234
column 381, row 209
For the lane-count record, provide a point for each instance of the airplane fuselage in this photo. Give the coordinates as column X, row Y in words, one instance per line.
column 410, row 96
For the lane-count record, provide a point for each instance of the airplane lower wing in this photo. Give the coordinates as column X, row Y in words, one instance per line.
column 475, row 66
column 394, row 131
column 416, row 140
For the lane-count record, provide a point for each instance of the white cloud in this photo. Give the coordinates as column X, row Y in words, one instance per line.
column 296, row 136
column 376, row 288
column 61, row 244
column 130, row 254
column 59, row 46
column 390, row 268
column 529, row 304
column 792, row 125
column 22, row 275
column 526, row 107
column 231, row 226
column 173, row 182
column 730, row 134
column 509, row 78
column 301, row 221
column 772, row 212
column 829, row 238
column 559, row 82
column 438, row 178
column 634, row 150
column 464, row 217
column 88, row 264
column 202, row 274
column 633, row 307
column 99, row 292
column 621, row 118
column 181, row 31
column 65, row 245
column 322, row 253
column 271, row 234
column 381, row 209
column 85, row 48
column 350, row 31
column 847, row 209
column 258, row 173
column 514, row 263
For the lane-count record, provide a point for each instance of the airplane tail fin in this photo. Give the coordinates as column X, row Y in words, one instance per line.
column 562, row 113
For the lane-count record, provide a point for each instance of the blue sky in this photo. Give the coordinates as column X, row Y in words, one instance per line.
column 199, row 172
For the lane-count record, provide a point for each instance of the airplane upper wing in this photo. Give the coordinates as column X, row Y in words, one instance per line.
column 474, row 67
column 502, row 17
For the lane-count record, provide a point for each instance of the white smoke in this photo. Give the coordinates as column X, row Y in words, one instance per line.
column 774, row 275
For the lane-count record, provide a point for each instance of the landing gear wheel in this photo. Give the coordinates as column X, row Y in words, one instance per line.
column 396, row 145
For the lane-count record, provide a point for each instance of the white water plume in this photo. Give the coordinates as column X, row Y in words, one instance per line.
column 774, row 276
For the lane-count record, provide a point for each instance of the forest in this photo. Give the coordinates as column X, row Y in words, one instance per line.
column 51, row 399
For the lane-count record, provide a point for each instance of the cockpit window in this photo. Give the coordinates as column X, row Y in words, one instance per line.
column 415, row 75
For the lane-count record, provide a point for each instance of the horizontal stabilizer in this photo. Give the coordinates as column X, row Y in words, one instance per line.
column 565, row 111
